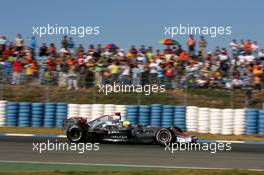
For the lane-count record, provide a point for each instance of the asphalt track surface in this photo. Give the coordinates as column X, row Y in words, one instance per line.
column 241, row 156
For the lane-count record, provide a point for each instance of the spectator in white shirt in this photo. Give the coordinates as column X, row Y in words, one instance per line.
column 261, row 54
column 237, row 83
column 234, row 47
column 153, row 67
column 255, row 47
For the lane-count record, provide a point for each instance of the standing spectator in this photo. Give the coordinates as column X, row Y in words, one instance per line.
column 125, row 75
column 51, row 65
column 261, row 55
column 237, row 83
column 33, row 46
column 80, row 49
column 169, row 75
column 153, row 67
column 191, row 45
column 82, row 74
column 248, row 47
column 234, row 47
column 114, row 70
column 62, row 69
column 202, row 45
column 255, row 48
column 17, row 70
column 136, row 75
column 3, row 42
column 7, row 71
column 29, row 72
column 71, row 45
column 52, row 49
column 160, row 74
column 241, row 46
column 43, row 50
column 19, row 43
column 64, row 42
column 98, row 73
column 257, row 73
column 72, row 78
column 132, row 52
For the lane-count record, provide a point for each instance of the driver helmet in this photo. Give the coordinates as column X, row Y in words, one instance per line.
column 126, row 123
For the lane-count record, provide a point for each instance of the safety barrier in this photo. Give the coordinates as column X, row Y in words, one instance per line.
column 179, row 117
column 167, row 116
column 24, row 114
column 37, row 115
column 203, row 120
column 144, row 117
column 12, row 113
column 85, row 111
column 215, row 121
column 239, row 121
column 188, row 118
column 251, row 121
column 156, row 111
column 261, row 122
column 191, row 118
column 132, row 114
column 61, row 112
column 3, row 113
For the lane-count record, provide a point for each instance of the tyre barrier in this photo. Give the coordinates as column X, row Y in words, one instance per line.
column 261, row 122
column 215, row 121
column 179, row 117
column 239, row 121
column 97, row 110
column 3, row 113
column 109, row 109
column 24, row 114
column 85, row 111
column 144, row 115
column 227, row 121
column 167, row 116
column 61, row 114
column 12, row 114
column 132, row 114
column 49, row 115
column 73, row 110
column 122, row 110
column 191, row 118
column 251, row 121
column 37, row 115
column 204, row 120
column 155, row 114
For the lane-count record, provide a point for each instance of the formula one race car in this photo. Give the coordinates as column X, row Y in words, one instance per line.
column 110, row 128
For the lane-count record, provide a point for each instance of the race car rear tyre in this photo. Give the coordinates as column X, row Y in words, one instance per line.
column 75, row 133
column 164, row 136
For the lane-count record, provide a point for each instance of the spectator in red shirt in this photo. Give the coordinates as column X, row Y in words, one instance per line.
column 191, row 45
column 51, row 65
column 17, row 69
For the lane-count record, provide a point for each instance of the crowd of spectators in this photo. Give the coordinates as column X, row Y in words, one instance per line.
column 74, row 66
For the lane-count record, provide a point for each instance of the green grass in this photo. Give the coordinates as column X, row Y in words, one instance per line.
column 56, row 169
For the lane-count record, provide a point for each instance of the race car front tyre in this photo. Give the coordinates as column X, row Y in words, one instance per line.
column 164, row 136
column 75, row 133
